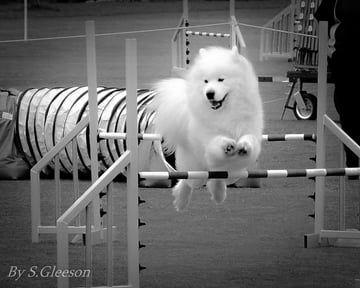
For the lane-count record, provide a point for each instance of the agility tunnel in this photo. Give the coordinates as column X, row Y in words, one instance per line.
column 46, row 115
column 13, row 166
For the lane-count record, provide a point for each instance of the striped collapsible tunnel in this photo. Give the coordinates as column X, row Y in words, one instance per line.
column 46, row 115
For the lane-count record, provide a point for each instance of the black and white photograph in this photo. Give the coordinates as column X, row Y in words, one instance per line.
column 179, row 143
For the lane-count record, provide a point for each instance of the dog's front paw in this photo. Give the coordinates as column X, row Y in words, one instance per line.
column 229, row 147
column 243, row 147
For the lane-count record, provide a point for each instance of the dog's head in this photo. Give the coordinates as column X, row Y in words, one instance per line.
column 217, row 74
column 215, row 91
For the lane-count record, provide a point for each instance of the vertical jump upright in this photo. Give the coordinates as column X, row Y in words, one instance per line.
column 314, row 239
column 128, row 160
column 132, row 172
column 321, row 110
column 180, row 41
column 93, row 115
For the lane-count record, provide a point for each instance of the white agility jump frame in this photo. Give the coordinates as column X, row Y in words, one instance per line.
column 70, row 139
column 322, row 122
column 129, row 160
column 39, row 228
column 180, row 40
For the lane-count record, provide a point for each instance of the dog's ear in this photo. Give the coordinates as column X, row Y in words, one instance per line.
column 235, row 51
column 202, row 51
column 236, row 55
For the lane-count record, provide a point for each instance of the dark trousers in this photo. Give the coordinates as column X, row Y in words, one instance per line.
column 347, row 99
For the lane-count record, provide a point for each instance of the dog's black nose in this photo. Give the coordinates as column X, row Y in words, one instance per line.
column 210, row 94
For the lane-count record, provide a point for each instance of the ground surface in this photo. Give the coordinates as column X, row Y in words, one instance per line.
column 255, row 239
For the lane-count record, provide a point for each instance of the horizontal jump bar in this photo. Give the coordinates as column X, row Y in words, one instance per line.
column 208, row 34
column 122, row 136
column 288, row 137
column 250, row 174
column 265, row 137
column 273, row 79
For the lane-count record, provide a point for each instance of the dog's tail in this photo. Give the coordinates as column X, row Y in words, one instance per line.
column 170, row 105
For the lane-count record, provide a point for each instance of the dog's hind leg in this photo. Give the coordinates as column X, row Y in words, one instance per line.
column 249, row 182
column 217, row 189
column 182, row 194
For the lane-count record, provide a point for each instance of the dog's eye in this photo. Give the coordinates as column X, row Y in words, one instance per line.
column 221, row 79
column 206, row 81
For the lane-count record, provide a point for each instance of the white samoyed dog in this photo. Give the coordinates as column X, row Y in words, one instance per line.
column 212, row 118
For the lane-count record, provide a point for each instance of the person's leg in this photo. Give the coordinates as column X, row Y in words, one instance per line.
column 346, row 102
column 349, row 125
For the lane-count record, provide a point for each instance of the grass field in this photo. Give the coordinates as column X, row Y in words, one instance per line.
column 255, row 239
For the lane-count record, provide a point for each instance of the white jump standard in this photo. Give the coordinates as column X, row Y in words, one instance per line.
column 129, row 160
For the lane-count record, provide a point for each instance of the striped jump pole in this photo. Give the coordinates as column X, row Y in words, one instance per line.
column 288, row 137
column 273, row 79
column 286, row 173
column 265, row 137
column 207, row 34
column 122, row 136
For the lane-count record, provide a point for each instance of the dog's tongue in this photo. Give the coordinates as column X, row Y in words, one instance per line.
column 215, row 104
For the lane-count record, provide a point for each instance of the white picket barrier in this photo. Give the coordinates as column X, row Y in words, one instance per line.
column 129, row 159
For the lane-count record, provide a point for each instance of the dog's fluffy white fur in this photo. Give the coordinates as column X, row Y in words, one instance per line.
column 212, row 118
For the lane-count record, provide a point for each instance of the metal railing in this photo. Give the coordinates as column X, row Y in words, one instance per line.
column 292, row 34
column 274, row 41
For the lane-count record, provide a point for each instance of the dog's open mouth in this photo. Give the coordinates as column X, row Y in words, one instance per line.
column 215, row 105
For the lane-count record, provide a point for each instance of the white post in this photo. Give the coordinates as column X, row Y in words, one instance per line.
column 75, row 173
column 292, row 28
column 109, row 237
column 57, row 187
column 35, row 205
column 88, row 245
column 232, row 8
column 342, row 190
column 184, row 47
column 132, row 175
column 232, row 24
column 62, row 263
column 186, row 9
column 262, row 45
column 321, row 143
column 93, row 111
column 92, row 92
column 25, row 20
